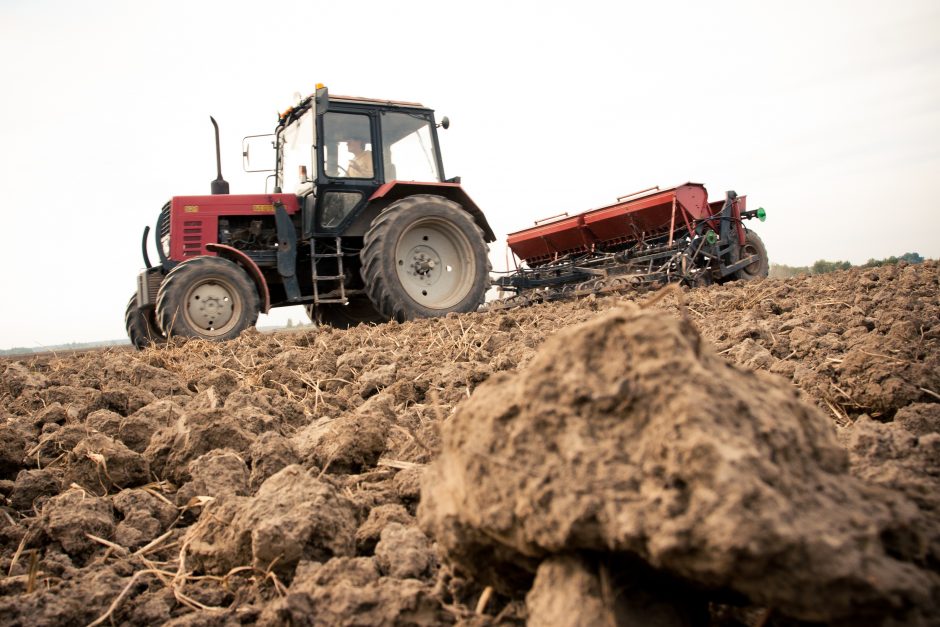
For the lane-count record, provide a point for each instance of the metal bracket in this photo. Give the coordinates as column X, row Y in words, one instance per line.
column 286, row 252
column 740, row 264
column 593, row 271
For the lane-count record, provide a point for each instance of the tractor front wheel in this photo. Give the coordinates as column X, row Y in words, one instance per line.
column 424, row 257
column 141, row 325
column 207, row 297
column 753, row 246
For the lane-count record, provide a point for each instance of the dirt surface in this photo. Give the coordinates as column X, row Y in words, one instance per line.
column 764, row 453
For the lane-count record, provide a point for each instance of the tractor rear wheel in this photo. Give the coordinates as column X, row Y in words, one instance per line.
column 753, row 246
column 141, row 325
column 207, row 297
column 424, row 257
column 360, row 310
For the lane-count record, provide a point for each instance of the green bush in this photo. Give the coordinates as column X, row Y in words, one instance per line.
column 823, row 266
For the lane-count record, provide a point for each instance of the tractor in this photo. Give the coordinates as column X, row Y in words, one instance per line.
column 360, row 226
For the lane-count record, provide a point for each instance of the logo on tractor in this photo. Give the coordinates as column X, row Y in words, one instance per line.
column 191, row 208
column 263, row 208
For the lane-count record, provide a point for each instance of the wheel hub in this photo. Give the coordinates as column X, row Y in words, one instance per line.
column 434, row 263
column 425, row 264
column 210, row 306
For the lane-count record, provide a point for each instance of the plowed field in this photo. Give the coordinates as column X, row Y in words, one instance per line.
column 763, row 453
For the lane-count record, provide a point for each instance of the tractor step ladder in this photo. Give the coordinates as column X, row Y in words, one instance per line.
column 338, row 255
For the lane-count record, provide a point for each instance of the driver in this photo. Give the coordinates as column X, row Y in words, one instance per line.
column 361, row 165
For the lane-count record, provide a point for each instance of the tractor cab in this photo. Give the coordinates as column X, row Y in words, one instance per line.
column 363, row 145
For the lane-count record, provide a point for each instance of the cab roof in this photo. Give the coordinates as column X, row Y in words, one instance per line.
column 295, row 111
column 375, row 101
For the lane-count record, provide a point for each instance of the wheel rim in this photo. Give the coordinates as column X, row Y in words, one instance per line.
column 212, row 307
column 434, row 261
column 746, row 251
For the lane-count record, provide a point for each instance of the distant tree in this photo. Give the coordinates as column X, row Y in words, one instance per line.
column 892, row 260
column 290, row 323
column 823, row 267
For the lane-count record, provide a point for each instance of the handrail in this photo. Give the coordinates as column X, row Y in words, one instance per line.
column 560, row 215
column 648, row 189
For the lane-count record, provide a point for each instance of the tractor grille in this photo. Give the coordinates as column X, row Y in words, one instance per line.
column 148, row 284
column 192, row 238
column 163, row 222
column 162, row 236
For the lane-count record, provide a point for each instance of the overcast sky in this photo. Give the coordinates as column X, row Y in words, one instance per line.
column 825, row 113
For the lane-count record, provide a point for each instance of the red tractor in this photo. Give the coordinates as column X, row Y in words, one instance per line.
column 361, row 226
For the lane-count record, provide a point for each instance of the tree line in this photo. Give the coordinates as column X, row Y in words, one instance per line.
column 823, row 266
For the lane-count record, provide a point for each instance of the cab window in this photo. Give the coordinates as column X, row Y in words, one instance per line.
column 348, row 146
column 409, row 152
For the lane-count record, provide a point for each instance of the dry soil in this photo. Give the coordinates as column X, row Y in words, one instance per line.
column 763, row 453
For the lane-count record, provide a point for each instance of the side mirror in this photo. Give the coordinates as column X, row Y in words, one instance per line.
column 445, row 123
column 323, row 100
column 258, row 153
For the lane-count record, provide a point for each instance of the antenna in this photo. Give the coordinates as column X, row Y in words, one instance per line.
column 219, row 185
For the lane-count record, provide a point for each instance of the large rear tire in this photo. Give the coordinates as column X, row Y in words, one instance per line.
column 141, row 325
column 207, row 297
column 360, row 310
column 424, row 257
column 753, row 245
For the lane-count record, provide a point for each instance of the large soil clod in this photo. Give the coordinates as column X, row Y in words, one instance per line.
column 101, row 464
column 628, row 435
column 294, row 516
column 72, row 516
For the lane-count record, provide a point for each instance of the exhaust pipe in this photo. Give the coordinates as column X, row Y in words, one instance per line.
column 219, row 185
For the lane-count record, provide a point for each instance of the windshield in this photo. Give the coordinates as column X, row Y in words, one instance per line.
column 296, row 145
column 409, row 150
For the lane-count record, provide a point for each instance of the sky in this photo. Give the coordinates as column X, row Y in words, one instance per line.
column 827, row 114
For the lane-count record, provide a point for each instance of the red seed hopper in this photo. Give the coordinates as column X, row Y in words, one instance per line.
column 650, row 214
column 653, row 236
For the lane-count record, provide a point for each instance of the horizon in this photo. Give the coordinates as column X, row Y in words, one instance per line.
column 290, row 324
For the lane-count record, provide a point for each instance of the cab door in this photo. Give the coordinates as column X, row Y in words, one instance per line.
column 348, row 169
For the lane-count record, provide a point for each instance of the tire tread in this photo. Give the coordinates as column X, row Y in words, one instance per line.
column 169, row 296
column 377, row 250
